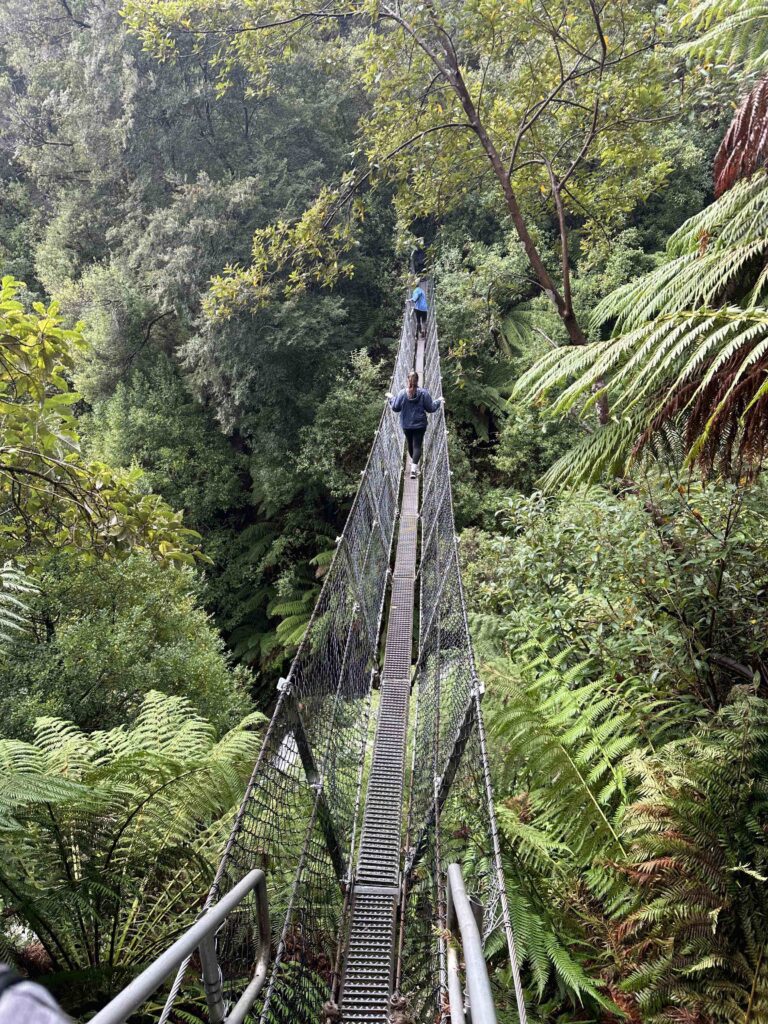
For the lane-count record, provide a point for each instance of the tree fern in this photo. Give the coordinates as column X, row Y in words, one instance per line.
column 556, row 723
column 110, row 838
column 294, row 611
column 564, row 736
column 704, row 259
column 680, row 354
column 699, row 859
column 745, row 147
column 729, row 30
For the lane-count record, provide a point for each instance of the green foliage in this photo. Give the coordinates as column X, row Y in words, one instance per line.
column 574, row 121
column 101, row 635
column 688, row 346
column 553, row 722
column 699, row 861
column 13, row 608
column 109, row 840
column 662, row 580
column 139, row 183
column 733, row 31
column 629, row 770
column 151, row 420
column 528, row 444
column 334, row 447
column 53, row 495
column 618, row 633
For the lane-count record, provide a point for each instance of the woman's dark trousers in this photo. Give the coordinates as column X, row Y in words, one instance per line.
column 415, row 439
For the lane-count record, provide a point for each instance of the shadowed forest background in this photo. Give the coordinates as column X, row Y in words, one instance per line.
column 206, row 215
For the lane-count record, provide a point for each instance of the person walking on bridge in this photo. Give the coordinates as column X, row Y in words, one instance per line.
column 418, row 260
column 413, row 403
column 420, row 308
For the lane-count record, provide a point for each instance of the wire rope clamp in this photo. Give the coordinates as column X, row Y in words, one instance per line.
column 399, row 1010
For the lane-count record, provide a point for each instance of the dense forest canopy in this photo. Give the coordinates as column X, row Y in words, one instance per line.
column 206, row 212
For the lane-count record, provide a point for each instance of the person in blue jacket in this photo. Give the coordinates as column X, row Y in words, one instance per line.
column 413, row 403
column 420, row 308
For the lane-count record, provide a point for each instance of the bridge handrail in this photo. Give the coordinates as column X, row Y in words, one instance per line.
column 201, row 936
column 461, row 918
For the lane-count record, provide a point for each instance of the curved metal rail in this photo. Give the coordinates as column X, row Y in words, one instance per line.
column 460, row 917
column 202, row 937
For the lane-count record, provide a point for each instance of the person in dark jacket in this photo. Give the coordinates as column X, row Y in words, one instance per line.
column 413, row 403
column 418, row 260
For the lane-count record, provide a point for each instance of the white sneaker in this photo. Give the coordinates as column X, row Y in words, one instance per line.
column 414, row 471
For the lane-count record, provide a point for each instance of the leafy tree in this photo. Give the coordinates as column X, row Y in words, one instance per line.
column 528, row 445
column 151, row 420
column 686, row 360
column 101, row 635
column 54, row 496
column 110, row 839
column 147, row 179
column 334, row 446
column 530, row 94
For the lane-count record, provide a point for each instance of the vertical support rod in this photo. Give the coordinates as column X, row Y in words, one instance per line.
column 481, row 1008
column 214, row 995
column 497, row 865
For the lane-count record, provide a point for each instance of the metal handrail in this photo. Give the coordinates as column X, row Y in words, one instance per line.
column 201, row 936
column 480, row 997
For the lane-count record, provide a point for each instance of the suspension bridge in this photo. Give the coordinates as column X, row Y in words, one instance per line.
column 362, row 880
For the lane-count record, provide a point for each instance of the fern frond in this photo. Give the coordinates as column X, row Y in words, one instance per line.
column 606, row 453
column 745, row 147
column 14, row 614
column 732, row 31
column 117, row 833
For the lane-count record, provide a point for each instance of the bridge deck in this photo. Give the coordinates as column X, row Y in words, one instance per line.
column 367, row 982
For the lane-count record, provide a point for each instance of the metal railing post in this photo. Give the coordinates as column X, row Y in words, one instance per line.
column 460, row 912
column 214, row 994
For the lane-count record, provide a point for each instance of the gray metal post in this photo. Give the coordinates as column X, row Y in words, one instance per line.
column 481, row 1005
column 214, row 994
column 455, row 992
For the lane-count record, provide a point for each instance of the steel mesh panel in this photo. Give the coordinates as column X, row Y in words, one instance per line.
column 451, row 817
column 299, row 816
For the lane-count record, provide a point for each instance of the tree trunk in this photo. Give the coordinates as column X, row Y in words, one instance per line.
column 566, row 314
column 452, row 72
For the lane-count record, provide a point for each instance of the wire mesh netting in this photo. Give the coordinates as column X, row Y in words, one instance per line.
column 299, row 818
column 451, row 817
